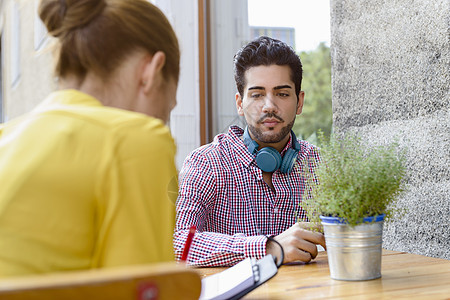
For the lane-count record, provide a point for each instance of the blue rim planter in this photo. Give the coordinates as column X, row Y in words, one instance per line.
column 338, row 220
column 354, row 253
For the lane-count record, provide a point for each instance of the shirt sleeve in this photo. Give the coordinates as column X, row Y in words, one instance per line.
column 195, row 200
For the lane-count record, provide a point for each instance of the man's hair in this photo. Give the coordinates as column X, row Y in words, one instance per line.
column 266, row 51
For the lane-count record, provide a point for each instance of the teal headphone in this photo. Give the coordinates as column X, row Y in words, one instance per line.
column 269, row 159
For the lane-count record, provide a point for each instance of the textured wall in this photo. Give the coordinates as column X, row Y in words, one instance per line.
column 391, row 78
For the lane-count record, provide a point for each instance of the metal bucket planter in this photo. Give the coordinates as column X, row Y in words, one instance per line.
column 354, row 253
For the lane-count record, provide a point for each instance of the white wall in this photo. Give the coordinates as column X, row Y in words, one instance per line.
column 27, row 72
column 229, row 32
column 185, row 120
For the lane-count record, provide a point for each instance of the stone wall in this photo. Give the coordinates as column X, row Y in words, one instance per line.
column 391, row 79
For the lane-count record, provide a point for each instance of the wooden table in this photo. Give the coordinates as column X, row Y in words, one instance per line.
column 403, row 276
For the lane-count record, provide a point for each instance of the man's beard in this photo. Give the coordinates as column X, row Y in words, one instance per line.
column 275, row 138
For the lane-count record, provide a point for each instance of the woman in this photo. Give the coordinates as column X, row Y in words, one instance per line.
column 85, row 175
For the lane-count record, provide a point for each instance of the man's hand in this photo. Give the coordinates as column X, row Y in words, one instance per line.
column 298, row 242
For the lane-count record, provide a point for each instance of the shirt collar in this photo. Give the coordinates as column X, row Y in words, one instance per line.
column 236, row 135
column 68, row 97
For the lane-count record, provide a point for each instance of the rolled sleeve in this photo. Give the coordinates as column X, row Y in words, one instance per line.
column 255, row 246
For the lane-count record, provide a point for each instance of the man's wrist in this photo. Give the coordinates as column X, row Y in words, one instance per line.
column 275, row 249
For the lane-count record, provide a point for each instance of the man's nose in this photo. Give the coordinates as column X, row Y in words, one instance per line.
column 269, row 104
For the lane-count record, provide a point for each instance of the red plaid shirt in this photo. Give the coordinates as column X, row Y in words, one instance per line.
column 222, row 193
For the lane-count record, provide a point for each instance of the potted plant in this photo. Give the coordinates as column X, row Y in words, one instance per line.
column 354, row 189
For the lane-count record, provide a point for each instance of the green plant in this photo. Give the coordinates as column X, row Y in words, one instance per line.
column 317, row 110
column 354, row 181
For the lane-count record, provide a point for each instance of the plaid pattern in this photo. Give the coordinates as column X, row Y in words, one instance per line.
column 222, row 193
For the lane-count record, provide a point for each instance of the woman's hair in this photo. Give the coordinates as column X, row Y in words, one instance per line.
column 266, row 51
column 97, row 35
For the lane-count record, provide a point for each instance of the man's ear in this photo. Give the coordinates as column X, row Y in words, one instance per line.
column 152, row 68
column 239, row 108
column 301, row 99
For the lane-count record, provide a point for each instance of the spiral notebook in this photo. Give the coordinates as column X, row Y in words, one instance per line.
column 237, row 281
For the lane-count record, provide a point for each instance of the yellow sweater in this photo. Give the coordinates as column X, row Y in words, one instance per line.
column 84, row 186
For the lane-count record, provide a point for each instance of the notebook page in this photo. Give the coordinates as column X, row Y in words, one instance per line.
column 229, row 282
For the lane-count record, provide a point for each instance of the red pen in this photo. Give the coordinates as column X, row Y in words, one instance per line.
column 187, row 245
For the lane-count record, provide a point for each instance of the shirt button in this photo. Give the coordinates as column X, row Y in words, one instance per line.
column 275, row 210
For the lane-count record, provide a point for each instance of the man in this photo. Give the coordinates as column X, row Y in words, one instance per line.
column 248, row 184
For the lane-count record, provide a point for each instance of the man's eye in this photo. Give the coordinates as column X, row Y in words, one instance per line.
column 255, row 96
column 283, row 94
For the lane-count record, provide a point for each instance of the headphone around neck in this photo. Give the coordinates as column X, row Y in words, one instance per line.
column 269, row 159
